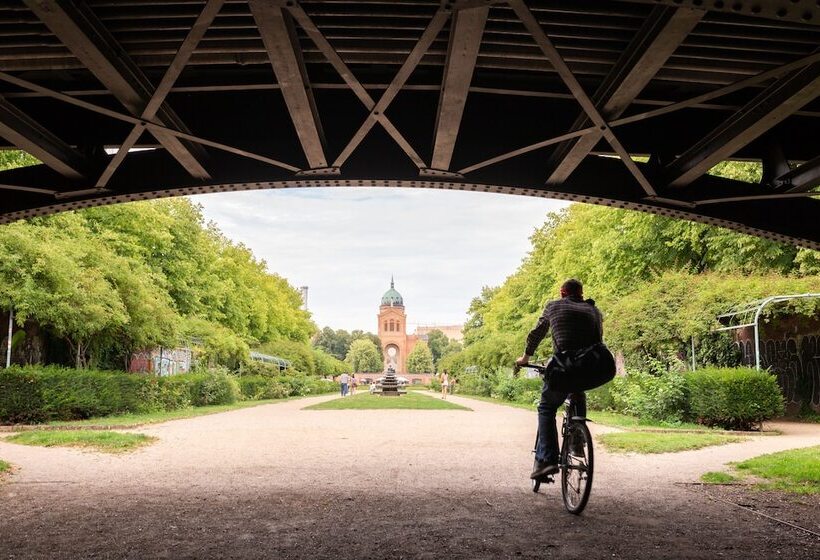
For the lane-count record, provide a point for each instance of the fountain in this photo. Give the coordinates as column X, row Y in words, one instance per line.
column 390, row 385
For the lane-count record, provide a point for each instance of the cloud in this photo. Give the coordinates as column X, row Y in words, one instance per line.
column 345, row 243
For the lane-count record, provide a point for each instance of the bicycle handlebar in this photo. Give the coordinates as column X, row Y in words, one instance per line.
column 539, row 368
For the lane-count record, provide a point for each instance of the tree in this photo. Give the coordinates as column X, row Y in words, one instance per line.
column 619, row 254
column 336, row 343
column 357, row 334
column 437, row 342
column 363, row 356
column 114, row 279
column 328, row 365
column 420, row 359
column 301, row 355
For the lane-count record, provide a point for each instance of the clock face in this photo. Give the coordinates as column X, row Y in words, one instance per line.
column 392, row 351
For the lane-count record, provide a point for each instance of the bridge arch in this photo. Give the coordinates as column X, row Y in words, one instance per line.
column 536, row 98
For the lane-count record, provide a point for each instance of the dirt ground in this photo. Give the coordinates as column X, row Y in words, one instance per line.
column 277, row 481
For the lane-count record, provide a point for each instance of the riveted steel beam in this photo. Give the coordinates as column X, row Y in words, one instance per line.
column 801, row 179
column 79, row 29
column 22, row 131
column 344, row 71
column 554, row 57
column 186, row 49
column 801, row 11
column 285, row 54
column 466, row 31
column 767, row 109
column 427, row 37
column 661, row 34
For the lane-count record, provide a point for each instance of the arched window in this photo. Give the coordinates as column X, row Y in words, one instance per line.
column 392, row 325
column 398, row 326
column 385, row 325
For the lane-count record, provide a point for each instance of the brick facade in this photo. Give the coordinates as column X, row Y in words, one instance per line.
column 396, row 343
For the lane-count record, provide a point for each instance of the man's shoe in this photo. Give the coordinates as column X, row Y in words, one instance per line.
column 541, row 469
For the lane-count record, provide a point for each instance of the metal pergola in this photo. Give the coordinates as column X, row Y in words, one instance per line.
column 548, row 98
column 281, row 363
column 748, row 315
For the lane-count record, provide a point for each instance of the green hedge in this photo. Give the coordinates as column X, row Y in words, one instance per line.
column 734, row 398
column 481, row 383
column 661, row 397
column 41, row 394
column 255, row 387
column 517, row 389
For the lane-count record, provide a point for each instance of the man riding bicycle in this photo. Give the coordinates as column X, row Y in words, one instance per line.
column 576, row 324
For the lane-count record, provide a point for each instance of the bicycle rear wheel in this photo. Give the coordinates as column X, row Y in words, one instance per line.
column 576, row 467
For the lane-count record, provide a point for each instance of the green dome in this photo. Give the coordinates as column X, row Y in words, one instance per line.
column 392, row 298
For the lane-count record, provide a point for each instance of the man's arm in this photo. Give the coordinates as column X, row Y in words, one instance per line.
column 535, row 337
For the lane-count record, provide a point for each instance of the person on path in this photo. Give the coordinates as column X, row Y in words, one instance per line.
column 576, row 324
column 344, row 379
column 445, row 384
column 353, row 383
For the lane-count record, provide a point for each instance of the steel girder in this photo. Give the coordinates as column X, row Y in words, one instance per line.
column 541, row 98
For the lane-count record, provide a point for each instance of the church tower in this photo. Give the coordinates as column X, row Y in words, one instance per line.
column 392, row 330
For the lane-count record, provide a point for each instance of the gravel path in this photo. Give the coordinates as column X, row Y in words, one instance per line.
column 278, row 481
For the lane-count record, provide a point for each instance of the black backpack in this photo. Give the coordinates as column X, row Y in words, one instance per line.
column 581, row 370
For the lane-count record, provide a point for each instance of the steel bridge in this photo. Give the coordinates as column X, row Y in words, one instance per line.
column 551, row 98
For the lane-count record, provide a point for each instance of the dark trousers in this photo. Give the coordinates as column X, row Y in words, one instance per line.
column 547, row 449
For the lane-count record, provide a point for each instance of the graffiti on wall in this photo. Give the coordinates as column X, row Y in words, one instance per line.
column 795, row 361
column 161, row 361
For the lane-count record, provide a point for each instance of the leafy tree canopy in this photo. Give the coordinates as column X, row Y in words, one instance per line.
column 114, row 279
column 658, row 280
column 420, row 359
column 363, row 356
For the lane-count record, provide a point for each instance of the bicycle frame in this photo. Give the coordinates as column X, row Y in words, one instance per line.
column 576, row 469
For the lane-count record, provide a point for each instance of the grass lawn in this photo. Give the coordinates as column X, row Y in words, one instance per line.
column 109, row 442
column 797, row 470
column 524, row 406
column 618, row 420
column 134, row 420
column 4, row 467
column 716, row 477
column 662, row 442
column 366, row 401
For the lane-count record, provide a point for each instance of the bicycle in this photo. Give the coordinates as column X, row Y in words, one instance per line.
column 576, row 459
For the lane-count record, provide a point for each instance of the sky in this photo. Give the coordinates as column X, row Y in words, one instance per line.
column 345, row 244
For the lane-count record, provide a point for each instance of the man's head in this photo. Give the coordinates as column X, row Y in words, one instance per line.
column 572, row 287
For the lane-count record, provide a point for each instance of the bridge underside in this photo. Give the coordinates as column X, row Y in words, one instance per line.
column 546, row 98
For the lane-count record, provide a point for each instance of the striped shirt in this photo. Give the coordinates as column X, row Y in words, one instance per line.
column 575, row 324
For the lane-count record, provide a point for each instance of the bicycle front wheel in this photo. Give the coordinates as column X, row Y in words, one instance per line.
column 576, row 467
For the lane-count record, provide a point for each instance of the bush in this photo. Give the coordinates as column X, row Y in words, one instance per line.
column 734, row 398
column 481, row 383
column 653, row 397
column 257, row 387
column 517, row 389
column 40, row 394
column 215, row 386
column 254, row 368
column 21, row 397
column 601, row 398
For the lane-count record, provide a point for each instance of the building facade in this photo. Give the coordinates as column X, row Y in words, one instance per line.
column 453, row 332
column 392, row 329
